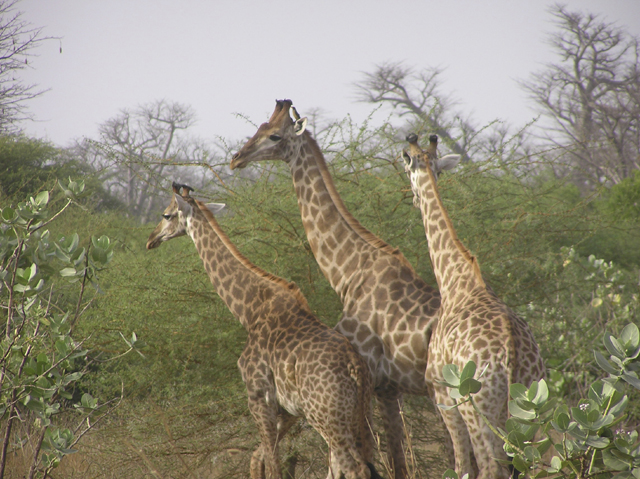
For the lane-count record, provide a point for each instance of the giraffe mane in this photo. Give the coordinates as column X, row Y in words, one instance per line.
column 452, row 231
column 363, row 232
column 290, row 287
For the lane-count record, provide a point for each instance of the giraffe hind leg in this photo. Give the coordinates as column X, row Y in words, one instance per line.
column 487, row 446
column 394, row 430
column 457, row 428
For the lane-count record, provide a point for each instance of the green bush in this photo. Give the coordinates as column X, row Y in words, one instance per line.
column 41, row 360
column 593, row 441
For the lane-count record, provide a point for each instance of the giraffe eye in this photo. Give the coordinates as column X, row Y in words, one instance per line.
column 166, row 217
column 275, row 138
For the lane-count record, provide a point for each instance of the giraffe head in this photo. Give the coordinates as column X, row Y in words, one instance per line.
column 176, row 216
column 273, row 138
column 416, row 161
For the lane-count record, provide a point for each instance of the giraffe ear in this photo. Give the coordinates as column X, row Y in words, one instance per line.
column 300, row 126
column 215, row 208
column 408, row 161
column 447, row 162
column 182, row 205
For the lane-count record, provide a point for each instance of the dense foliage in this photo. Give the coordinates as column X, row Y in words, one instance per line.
column 552, row 253
column 554, row 223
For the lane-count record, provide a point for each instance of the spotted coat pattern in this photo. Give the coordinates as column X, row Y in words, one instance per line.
column 293, row 365
column 474, row 325
column 389, row 312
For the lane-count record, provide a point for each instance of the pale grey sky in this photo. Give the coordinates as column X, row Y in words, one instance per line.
column 223, row 57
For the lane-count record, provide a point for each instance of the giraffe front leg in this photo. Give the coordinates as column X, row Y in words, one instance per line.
column 390, row 403
column 257, row 466
column 265, row 461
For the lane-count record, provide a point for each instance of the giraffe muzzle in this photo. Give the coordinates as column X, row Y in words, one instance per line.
column 237, row 162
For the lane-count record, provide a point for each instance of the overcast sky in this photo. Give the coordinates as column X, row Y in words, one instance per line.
column 223, row 57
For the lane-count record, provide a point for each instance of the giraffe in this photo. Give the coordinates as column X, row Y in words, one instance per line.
column 293, row 364
column 389, row 312
column 474, row 324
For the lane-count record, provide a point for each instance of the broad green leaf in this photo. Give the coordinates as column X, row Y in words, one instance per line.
column 62, row 255
column 542, row 393
column 451, row 375
column 450, row 474
column 630, row 337
column 454, row 393
column 67, row 192
column 517, row 411
column 631, row 378
column 526, row 430
column 532, row 454
column 613, row 461
column 8, row 215
column 544, row 446
column 42, row 198
column 468, row 371
column 518, row 391
column 601, row 392
column 598, row 442
column 520, row 464
column 73, row 377
column 580, row 417
column 99, row 255
column 62, row 347
column 613, row 346
column 556, row 464
column 66, row 272
column 575, row 431
column 88, row 401
column 470, row 386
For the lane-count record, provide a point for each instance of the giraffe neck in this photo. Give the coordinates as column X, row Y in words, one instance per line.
column 243, row 286
column 340, row 244
column 455, row 268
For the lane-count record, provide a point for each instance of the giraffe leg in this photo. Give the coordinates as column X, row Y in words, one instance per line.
column 346, row 461
column 257, row 468
column 392, row 421
column 486, row 445
column 458, row 432
column 265, row 461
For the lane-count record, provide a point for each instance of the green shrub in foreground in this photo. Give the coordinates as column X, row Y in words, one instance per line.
column 592, row 441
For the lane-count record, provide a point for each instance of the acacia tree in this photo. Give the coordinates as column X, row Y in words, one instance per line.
column 591, row 97
column 417, row 94
column 141, row 150
column 17, row 41
column 417, row 97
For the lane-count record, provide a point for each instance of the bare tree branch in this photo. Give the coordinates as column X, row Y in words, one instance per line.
column 417, row 94
column 592, row 97
column 143, row 150
column 18, row 39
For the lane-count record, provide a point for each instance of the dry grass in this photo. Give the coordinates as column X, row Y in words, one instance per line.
column 216, row 441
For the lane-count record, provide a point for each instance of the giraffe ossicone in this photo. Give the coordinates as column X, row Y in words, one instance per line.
column 389, row 312
column 292, row 364
column 474, row 325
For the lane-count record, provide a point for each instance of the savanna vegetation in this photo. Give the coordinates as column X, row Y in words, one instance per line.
column 116, row 361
